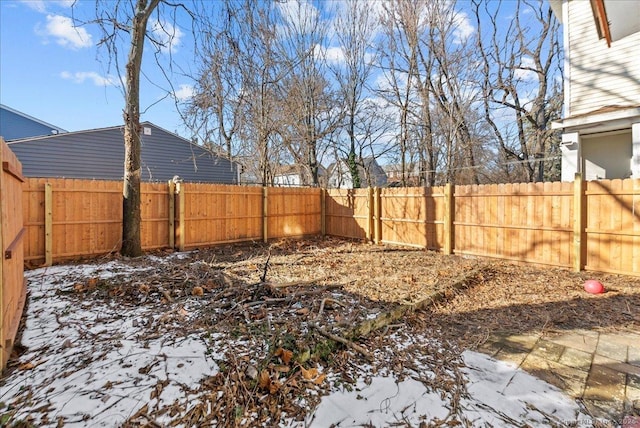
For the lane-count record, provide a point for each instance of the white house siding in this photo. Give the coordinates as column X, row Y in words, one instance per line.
column 287, row 180
column 599, row 75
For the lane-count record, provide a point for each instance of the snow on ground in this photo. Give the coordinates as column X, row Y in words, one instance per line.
column 499, row 394
column 91, row 365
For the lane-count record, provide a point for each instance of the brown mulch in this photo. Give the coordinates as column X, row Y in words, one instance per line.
column 521, row 299
column 302, row 277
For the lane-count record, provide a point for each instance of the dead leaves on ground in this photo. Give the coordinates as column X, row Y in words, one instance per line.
column 273, row 377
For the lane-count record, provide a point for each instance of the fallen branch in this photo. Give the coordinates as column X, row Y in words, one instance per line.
column 344, row 341
column 167, row 296
column 386, row 318
column 328, row 300
column 294, row 283
column 263, row 278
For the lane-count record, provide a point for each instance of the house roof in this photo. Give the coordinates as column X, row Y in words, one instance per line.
column 614, row 19
column 99, row 153
column 371, row 169
column 607, row 118
column 15, row 124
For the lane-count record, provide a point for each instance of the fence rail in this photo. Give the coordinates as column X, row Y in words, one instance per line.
column 580, row 225
column 12, row 237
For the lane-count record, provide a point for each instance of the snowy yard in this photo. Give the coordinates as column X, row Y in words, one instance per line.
column 235, row 337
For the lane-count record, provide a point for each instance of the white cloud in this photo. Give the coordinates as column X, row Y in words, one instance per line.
column 167, row 35
column 82, row 76
column 523, row 74
column 333, row 55
column 41, row 5
column 462, row 27
column 184, row 92
column 61, row 28
column 300, row 15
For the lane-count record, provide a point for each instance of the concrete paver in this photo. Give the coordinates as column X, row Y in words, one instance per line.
column 633, row 354
column 548, row 350
column 577, row 359
column 633, row 381
column 609, row 349
column 580, row 341
column 523, row 342
column 511, row 355
column 600, row 369
column 605, row 384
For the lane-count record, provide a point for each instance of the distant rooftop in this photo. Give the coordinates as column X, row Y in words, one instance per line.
column 15, row 124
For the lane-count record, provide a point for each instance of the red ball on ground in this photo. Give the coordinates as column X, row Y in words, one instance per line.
column 593, row 286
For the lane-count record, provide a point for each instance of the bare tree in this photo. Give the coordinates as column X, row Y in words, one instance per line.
column 115, row 20
column 215, row 112
column 519, row 66
column 399, row 61
column 454, row 88
column 355, row 28
column 309, row 100
column 238, row 96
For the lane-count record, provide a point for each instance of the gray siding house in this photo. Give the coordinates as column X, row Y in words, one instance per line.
column 15, row 124
column 99, row 154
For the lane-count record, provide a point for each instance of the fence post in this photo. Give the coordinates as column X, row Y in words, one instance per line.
column 172, row 214
column 4, row 351
column 181, row 216
column 448, row 219
column 48, row 224
column 578, row 222
column 377, row 210
column 370, row 214
column 323, row 212
column 265, row 215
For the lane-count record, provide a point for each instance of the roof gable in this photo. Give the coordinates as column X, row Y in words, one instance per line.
column 15, row 124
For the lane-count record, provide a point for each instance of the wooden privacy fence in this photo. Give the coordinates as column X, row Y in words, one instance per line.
column 581, row 225
column 591, row 225
column 218, row 214
column 13, row 287
column 69, row 218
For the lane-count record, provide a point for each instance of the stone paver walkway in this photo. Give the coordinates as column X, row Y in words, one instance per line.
column 601, row 369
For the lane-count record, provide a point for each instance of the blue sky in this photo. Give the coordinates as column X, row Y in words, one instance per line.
column 55, row 73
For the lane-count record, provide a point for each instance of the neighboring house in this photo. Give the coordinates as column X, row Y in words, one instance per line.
column 601, row 124
column 394, row 174
column 291, row 176
column 370, row 173
column 15, row 124
column 99, row 154
column 287, row 175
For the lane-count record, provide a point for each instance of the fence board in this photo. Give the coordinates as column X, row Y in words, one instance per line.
column 12, row 237
column 515, row 222
column 293, row 212
column 34, row 219
column 348, row 213
column 613, row 226
column 87, row 217
column 216, row 214
column 409, row 216
column 155, row 228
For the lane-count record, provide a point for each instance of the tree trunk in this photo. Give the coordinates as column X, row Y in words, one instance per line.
column 131, row 242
